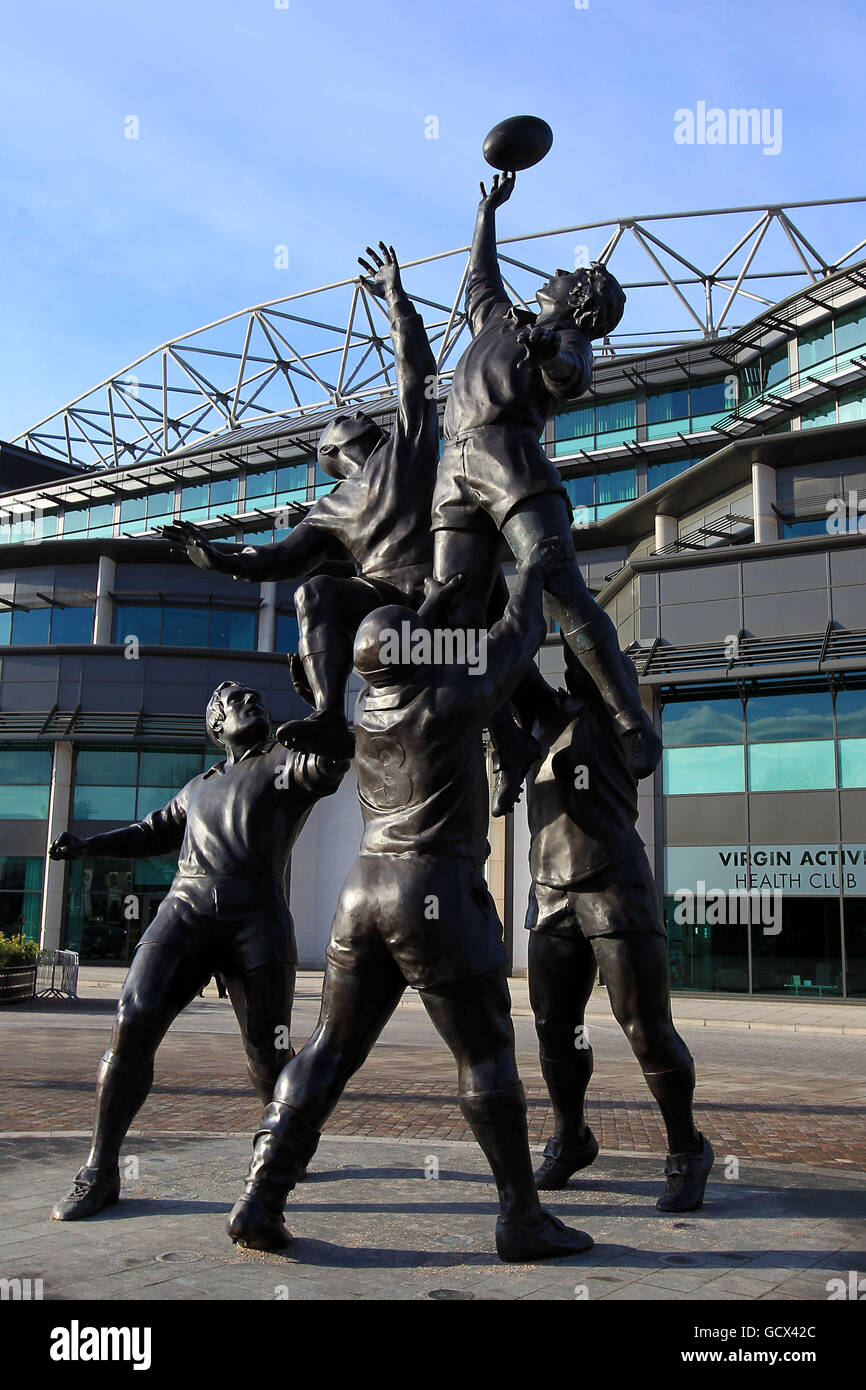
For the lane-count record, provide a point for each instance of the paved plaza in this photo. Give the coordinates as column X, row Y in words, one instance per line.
column 782, row 1095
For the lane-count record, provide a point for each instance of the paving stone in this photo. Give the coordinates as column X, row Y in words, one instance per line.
column 369, row 1227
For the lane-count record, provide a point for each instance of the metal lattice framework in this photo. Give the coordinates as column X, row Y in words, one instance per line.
column 326, row 347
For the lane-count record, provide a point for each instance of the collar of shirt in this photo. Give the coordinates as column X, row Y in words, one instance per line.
column 258, row 748
column 521, row 318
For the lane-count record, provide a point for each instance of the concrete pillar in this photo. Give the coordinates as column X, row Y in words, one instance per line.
column 666, row 531
column 763, row 495
column 104, row 602
column 268, row 616
column 54, row 885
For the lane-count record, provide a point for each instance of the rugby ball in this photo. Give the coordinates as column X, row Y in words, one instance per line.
column 517, row 143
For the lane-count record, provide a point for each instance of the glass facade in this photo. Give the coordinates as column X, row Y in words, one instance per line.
column 767, row 371
column 595, row 426
column 21, row 896
column 112, row 901
column 689, row 408
column 276, row 487
column 800, row 929
column 186, row 626
column 126, row 784
column 788, row 740
column 203, row 500
column 287, row 632
column 25, row 782
column 597, row 494
column 142, row 513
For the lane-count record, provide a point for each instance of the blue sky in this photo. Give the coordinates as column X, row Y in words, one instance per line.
column 305, row 127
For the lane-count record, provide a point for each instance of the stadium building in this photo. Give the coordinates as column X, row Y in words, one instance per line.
column 717, row 472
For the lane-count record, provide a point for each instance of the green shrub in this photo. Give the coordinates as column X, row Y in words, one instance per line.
column 17, row 950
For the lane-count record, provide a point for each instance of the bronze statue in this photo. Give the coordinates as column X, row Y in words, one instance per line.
column 378, row 518
column 415, row 910
column 494, row 479
column 593, row 904
column 226, row 912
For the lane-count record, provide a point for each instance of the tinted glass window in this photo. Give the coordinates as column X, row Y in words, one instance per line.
column 581, row 491
column 662, row 406
column 71, row 625
column 287, row 632
column 261, row 484
column 30, row 626
column 104, row 803
column 232, row 628
column 99, row 766
column 223, row 492
column 137, row 621
column 701, row 771
column 791, row 766
column 25, row 766
column 775, row 717
column 160, row 503
column 851, row 713
column 23, row 803
column 168, row 769
column 694, row 722
column 852, row 762
column 185, row 627
column 133, row 508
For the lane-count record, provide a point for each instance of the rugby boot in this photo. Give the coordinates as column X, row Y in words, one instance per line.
column 546, row 1238
column 283, row 1148
column 686, row 1179
column 560, row 1164
column 91, row 1191
column 326, row 732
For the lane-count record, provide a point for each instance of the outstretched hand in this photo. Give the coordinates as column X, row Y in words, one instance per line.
column 383, row 276
column 194, row 542
column 66, row 846
column 501, row 190
column 539, row 344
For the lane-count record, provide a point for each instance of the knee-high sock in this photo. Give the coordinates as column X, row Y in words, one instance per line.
column 121, row 1090
column 283, row 1147
column 498, row 1121
column 327, row 671
column 595, row 645
column 673, row 1091
column 567, row 1080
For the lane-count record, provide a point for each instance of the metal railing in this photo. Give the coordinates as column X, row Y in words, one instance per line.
column 57, row 974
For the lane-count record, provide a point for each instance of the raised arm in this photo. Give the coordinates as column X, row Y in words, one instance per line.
column 414, row 363
column 159, row 833
column 302, row 551
column 564, row 357
column 484, row 288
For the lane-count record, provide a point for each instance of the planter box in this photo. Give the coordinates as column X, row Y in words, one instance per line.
column 17, row 982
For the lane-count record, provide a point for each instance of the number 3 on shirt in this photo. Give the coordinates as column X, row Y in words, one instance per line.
column 394, row 789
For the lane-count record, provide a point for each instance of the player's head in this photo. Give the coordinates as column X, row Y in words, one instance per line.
column 384, row 648
column 591, row 298
column 347, row 442
column 235, row 715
